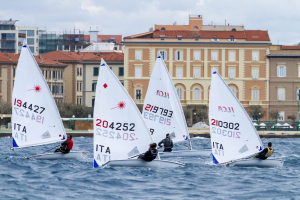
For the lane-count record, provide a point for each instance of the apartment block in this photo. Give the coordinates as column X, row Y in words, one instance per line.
column 191, row 51
column 12, row 37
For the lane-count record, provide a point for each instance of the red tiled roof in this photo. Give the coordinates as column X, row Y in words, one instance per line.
column 4, row 57
column 248, row 35
column 118, row 38
column 257, row 35
column 62, row 56
column 107, row 56
column 290, row 47
column 86, row 37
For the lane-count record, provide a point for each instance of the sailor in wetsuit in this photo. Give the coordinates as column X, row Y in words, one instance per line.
column 150, row 154
column 266, row 153
column 168, row 143
column 66, row 146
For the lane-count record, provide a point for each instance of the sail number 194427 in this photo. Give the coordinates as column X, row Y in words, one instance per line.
column 220, row 127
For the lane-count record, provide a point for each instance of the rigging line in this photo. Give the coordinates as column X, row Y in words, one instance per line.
column 16, row 153
column 42, row 153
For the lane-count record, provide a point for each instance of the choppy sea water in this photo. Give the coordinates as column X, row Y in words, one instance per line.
column 199, row 179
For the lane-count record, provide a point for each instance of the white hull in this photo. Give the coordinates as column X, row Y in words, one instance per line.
column 58, row 155
column 142, row 163
column 186, row 153
column 258, row 163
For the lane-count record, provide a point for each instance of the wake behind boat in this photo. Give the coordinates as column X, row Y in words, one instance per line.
column 234, row 139
column 35, row 117
column 120, row 133
column 163, row 112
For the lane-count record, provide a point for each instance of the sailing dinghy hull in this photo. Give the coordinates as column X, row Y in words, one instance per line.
column 58, row 155
column 258, row 163
column 142, row 163
column 186, row 153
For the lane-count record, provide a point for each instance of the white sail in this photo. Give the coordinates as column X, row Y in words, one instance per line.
column 162, row 110
column 119, row 130
column 233, row 135
column 35, row 117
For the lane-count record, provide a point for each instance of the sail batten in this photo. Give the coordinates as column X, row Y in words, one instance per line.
column 162, row 110
column 35, row 117
column 233, row 136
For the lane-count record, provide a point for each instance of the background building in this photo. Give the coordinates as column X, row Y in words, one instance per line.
column 285, row 81
column 12, row 37
column 53, row 72
column 191, row 51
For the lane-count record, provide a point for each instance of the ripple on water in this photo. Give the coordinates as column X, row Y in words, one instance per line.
column 199, row 179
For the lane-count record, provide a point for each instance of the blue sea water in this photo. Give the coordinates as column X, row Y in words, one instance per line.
column 200, row 179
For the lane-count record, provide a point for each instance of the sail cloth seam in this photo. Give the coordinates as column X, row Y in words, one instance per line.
column 239, row 104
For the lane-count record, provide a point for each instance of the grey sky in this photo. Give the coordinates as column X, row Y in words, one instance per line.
column 129, row 17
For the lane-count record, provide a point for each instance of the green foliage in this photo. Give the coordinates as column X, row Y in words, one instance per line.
column 198, row 112
column 67, row 110
column 257, row 112
column 5, row 107
column 274, row 114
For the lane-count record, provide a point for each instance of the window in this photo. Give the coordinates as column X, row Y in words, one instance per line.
column 62, row 89
column 138, row 72
column 163, row 54
column 232, row 90
column 178, row 72
column 215, row 40
column 30, row 33
column 46, row 74
column 77, row 86
column 93, row 102
column 196, row 94
column 298, row 95
column 233, row 29
column 53, row 89
column 138, row 55
column 281, row 71
column 196, row 39
column 96, row 71
column 255, row 73
column 31, row 49
column 178, row 55
column 281, row 94
column 255, row 55
column 197, row 73
column 214, row 55
column 281, row 116
column 255, row 94
column 195, row 27
column 79, row 100
column 179, row 92
column 231, row 73
column 197, row 55
column 121, row 71
column 61, row 75
column 231, row 55
column 138, row 94
column 53, row 74
column 14, row 72
column 94, row 85
column 163, row 29
column 80, row 86
column 30, row 41
column 77, row 71
column 49, row 73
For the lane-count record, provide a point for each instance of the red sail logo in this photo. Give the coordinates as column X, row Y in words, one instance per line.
column 162, row 94
column 121, row 105
column 225, row 109
column 36, row 88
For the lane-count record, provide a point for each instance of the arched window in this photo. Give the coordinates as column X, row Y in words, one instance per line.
column 232, row 90
column 196, row 94
column 163, row 29
column 179, row 92
column 233, row 29
column 298, row 95
column 195, row 27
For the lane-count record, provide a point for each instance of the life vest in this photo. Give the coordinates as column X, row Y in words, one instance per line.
column 153, row 153
column 270, row 151
column 70, row 145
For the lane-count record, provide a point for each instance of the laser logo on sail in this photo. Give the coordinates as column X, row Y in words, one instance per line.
column 225, row 109
column 162, row 94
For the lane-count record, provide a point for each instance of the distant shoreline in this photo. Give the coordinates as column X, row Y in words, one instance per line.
column 204, row 135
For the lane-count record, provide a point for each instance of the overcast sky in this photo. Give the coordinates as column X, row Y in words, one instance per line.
column 128, row 17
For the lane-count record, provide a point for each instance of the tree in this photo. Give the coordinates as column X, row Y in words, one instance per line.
column 257, row 112
column 274, row 114
column 5, row 107
column 292, row 117
column 198, row 112
column 67, row 110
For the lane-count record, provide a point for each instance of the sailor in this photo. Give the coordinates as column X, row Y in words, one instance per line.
column 266, row 153
column 150, row 154
column 168, row 143
column 66, row 146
